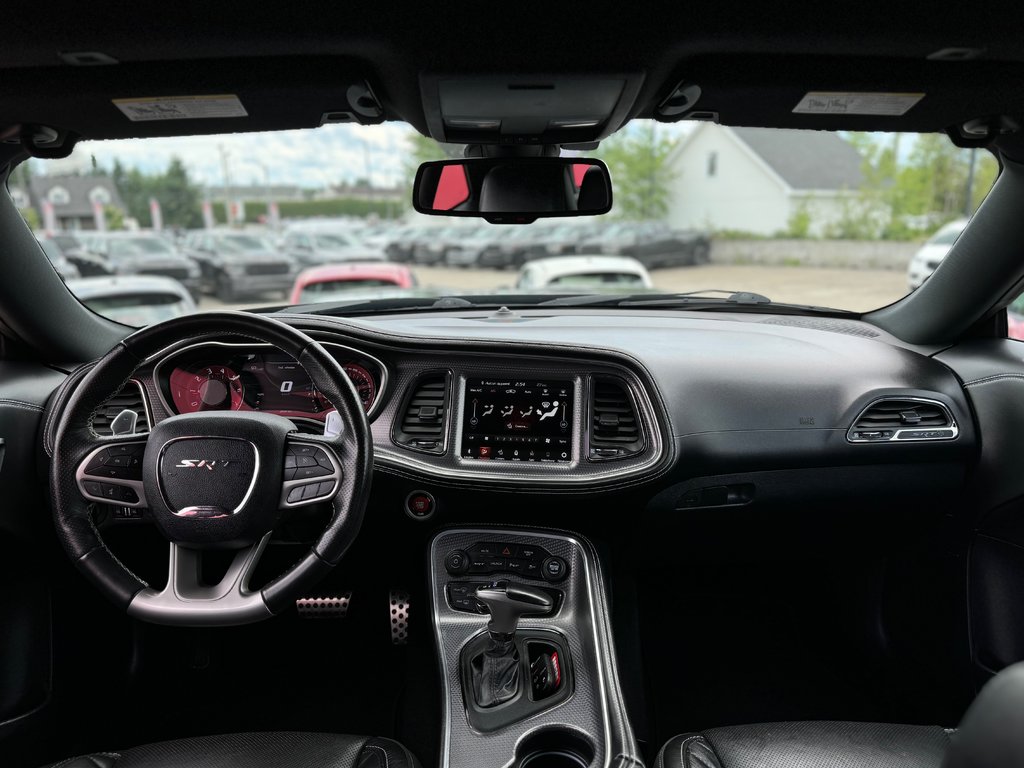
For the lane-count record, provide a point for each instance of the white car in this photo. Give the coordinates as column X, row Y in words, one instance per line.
column 134, row 299
column 931, row 254
column 593, row 274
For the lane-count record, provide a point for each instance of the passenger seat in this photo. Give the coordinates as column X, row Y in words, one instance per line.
column 991, row 735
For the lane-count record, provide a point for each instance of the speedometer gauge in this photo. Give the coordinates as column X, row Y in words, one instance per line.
column 363, row 382
column 213, row 388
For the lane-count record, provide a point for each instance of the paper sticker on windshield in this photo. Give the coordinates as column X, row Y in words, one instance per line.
column 181, row 107
column 853, row 103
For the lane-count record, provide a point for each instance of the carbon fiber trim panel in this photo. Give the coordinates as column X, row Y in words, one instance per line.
column 595, row 710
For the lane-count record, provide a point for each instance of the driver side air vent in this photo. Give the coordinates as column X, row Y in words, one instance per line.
column 129, row 398
column 614, row 427
column 421, row 426
column 903, row 419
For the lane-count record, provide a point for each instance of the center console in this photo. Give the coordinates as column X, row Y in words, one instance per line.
column 526, row 653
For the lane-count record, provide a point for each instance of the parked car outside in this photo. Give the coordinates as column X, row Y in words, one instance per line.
column 315, row 244
column 134, row 300
column 512, row 249
column 591, row 274
column 236, row 264
column 653, row 244
column 141, row 253
column 344, row 280
column 61, row 264
column 931, row 254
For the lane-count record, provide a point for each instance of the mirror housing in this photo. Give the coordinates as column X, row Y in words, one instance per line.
column 513, row 190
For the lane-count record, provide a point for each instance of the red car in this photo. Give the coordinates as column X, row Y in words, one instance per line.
column 345, row 280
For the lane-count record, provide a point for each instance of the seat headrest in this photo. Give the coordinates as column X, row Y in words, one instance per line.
column 593, row 191
column 990, row 734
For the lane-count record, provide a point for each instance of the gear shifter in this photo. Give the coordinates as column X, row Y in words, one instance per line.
column 496, row 672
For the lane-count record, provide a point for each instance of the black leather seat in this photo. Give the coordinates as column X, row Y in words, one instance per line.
column 256, row 750
column 990, row 736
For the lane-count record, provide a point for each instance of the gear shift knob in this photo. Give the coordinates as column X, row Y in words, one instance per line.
column 507, row 601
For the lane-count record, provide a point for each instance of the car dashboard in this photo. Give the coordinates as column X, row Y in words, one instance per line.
column 590, row 400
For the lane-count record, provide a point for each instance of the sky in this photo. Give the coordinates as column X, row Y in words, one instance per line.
column 312, row 158
column 309, row 158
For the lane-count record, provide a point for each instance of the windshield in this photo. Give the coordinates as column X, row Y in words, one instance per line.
column 843, row 220
column 134, row 308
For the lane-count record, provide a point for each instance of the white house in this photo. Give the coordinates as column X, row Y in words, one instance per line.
column 756, row 179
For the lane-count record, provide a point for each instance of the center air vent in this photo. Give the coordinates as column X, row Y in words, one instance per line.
column 129, row 398
column 421, row 425
column 614, row 427
column 903, row 419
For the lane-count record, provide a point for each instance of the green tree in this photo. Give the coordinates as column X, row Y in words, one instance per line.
column 637, row 157
column 31, row 217
column 179, row 198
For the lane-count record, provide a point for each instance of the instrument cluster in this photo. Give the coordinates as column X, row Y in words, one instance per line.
column 222, row 377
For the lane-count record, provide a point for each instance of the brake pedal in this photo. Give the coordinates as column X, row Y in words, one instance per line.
column 323, row 607
column 399, row 617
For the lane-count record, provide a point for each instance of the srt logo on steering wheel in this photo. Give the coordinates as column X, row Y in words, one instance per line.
column 209, row 464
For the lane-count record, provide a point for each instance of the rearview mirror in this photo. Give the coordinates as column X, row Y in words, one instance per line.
column 513, row 190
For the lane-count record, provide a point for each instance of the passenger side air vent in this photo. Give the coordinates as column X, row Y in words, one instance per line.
column 903, row 419
column 421, row 425
column 615, row 431
column 129, row 398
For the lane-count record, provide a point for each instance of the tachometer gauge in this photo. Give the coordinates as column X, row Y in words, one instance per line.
column 214, row 388
column 363, row 382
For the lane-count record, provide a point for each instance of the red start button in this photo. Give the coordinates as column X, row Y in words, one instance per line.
column 420, row 505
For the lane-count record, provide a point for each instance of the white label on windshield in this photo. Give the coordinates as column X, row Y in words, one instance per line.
column 853, row 103
column 181, row 107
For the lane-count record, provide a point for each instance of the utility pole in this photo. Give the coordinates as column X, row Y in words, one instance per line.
column 969, row 193
column 228, row 218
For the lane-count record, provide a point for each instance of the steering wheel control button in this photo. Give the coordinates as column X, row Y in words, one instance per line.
column 457, row 562
column 420, row 505
column 554, row 569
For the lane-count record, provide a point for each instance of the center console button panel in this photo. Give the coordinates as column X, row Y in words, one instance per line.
column 494, row 557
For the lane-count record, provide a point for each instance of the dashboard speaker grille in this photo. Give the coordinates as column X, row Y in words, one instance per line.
column 424, row 415
column 614, row 427
column 898, row 418
column 128, row 398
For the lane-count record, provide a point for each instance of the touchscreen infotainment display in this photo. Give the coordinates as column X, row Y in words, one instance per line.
column 517, row 420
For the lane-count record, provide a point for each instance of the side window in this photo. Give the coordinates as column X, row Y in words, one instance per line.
column 1015, row 319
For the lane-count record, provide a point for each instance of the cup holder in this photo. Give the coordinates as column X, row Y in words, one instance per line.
column 554, row 749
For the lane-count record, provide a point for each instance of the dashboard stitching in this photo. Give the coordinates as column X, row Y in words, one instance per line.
column 994, row 378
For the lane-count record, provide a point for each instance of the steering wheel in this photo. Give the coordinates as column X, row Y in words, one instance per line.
column 211, row 480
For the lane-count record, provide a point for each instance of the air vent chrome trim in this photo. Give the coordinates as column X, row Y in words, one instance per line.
column 145, row 408
column 627, row 390
column 906, row 434
column 409, row 394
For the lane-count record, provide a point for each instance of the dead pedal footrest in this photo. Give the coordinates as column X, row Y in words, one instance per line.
column 335, row 607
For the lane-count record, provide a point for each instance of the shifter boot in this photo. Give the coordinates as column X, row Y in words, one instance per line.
column 496, row 673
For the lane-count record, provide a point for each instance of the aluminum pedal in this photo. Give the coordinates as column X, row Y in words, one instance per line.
column 399, row 614
column 323, row 607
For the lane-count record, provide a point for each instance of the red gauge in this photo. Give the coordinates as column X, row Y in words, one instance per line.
column 363, row 382
column 206, row 388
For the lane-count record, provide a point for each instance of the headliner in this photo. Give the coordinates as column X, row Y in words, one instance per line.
column 290, row 63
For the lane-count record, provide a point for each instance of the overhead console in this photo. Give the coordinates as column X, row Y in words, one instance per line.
column 527, row 109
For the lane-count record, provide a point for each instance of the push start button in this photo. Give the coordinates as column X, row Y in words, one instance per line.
column 420, row 505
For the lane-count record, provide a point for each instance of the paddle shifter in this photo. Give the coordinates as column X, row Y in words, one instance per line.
column 495, row 672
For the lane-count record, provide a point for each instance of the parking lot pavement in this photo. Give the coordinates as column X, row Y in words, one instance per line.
column 856, row 289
